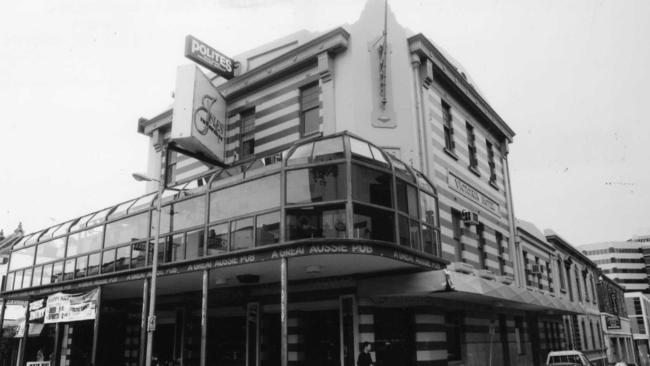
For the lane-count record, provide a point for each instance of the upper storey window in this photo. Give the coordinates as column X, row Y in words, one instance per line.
column 309, row 116
column 471, row 148
column 448, row 126
column 247, row 133
column 493, row 170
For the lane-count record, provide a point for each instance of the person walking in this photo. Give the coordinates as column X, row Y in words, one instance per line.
column 365, row 358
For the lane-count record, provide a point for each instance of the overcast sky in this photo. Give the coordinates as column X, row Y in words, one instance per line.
column 570, row 77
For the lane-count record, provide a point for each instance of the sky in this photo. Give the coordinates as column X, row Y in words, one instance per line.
column 569, row 77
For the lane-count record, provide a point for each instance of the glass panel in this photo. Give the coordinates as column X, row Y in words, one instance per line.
column 414, row 234
column 181, row 215
column 403, row 225
column 360, row 149
column 18, row 282
column 373, row 223
column 317, row 184
column 142, row 203
column 120, row 210
column 301, row 155
column 428, row 236
column 401, row 170
column 22, row 258
column 36, row 279
column 63, row 229
column 316, row 222
column 85, row 241
column 50, row 251
column 218, row 239
column 99, row 217
column 138, row 254
column 241, row 234
column 311, row 121
column 47, row 274
column 268, row 228
column 81, row 223
column 423, row 183
column 22, row 242
column 33, row 238
column 27, row 278
column 68, row 271
column 108, row 261
column 48, row 233
column 80, row 269
column 164, row 250
column 378, row 155
column 407, row 198
column 194, row 244
column 123, row 258
column 372, row 186
column 93, row 264
column 127, row 230
column 428, row 208
column 328, row 149
column 178, row 247
column 257, row 195
column 10, row 282
column 57, row 272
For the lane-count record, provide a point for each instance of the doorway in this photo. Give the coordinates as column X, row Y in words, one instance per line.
column 322, row 343
column 394, row 337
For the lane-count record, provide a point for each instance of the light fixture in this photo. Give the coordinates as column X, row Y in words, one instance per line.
column 313, row 269
column 143, row 178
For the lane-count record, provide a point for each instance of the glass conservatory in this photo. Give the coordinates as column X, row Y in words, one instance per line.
column 336, row 188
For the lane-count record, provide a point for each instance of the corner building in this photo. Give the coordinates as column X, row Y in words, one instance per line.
column 365, row 197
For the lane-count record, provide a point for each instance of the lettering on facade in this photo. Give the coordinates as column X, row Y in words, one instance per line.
column 199, row 52
column 473, row 194
column 289, row 252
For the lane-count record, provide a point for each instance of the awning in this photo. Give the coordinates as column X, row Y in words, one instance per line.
column 452, row 285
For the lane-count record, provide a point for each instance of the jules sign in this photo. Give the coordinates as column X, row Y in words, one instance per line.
column 199, row 114
column 208, row 57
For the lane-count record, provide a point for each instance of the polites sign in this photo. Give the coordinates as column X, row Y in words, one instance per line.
column 208, row 57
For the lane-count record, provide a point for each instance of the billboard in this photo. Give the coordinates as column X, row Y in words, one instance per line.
column 206, row 56
column 62, row 307
column 199, row 114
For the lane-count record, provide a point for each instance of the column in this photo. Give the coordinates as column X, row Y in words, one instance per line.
column 93, row 356
column 284, row 334
column 143, row 320
column 204, row 315
column 23, row 342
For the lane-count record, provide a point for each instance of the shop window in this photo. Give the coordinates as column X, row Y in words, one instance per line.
column 180, row 215
column 36, row 279
column 93, row 264
column 108, row 261
column 47, row 274
column 373, row 223
column 68, row 270
column 18, row 282
column 471, row 147
column 27, row 278
column 85, row 241
column 491, row 163
column 407, row 198
column 50, row 251
column 372, row 186
column 127, row 230
column 309, row 114
column 122, row 258
column 22, row 258
column 317, row 184
column 57, row 272
column 316, row 222
column 247, row 133
column 241, row 234
column 9, row 284
column 448, row 126
column 194, row 244
column 138, row 254
column 218, row 239
column 268, row 228
column 245, row 198
column 81, row 267
column 453, row 328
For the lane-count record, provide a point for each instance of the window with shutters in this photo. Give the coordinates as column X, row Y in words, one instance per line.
column 448, row 127
column 309, row 116
column 471, row 148
column 491, row 163
column 247, row 133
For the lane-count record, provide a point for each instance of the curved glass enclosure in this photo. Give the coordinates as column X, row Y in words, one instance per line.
column 336, row 187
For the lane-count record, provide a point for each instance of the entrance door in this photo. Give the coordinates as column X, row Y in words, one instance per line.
column 226, row 341
column 394, row 337
column 322, row 343
column 81, row 343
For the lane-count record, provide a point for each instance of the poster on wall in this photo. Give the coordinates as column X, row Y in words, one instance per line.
column 62, row 307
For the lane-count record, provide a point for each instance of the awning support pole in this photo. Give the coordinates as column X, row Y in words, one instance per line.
column 23, row 342
column 2, row 315
column 143, row 320
column 204, row 315
column 57, row 345
column 93, row 357
column 284, row 351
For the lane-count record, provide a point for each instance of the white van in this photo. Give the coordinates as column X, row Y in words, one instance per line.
column 567, row 358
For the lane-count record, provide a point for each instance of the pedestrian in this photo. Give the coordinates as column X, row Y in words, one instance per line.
column 365, row 359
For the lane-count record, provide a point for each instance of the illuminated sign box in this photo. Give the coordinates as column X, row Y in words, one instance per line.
column 206, row 56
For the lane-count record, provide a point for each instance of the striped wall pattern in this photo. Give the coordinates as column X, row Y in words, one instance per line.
column 534, row 281
column 296, row 338
column 366, row 324
column 132, row 345
column 66, row 344
column 448, row 198
column 623, row 262
column 430, row 337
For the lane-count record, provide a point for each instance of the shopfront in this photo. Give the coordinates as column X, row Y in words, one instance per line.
column 269, row 253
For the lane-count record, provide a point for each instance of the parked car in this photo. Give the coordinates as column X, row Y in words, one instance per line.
column 567, row 358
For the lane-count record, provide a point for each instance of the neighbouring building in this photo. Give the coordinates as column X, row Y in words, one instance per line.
column 615, row 322
column 359, row 192
column 625, row 262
